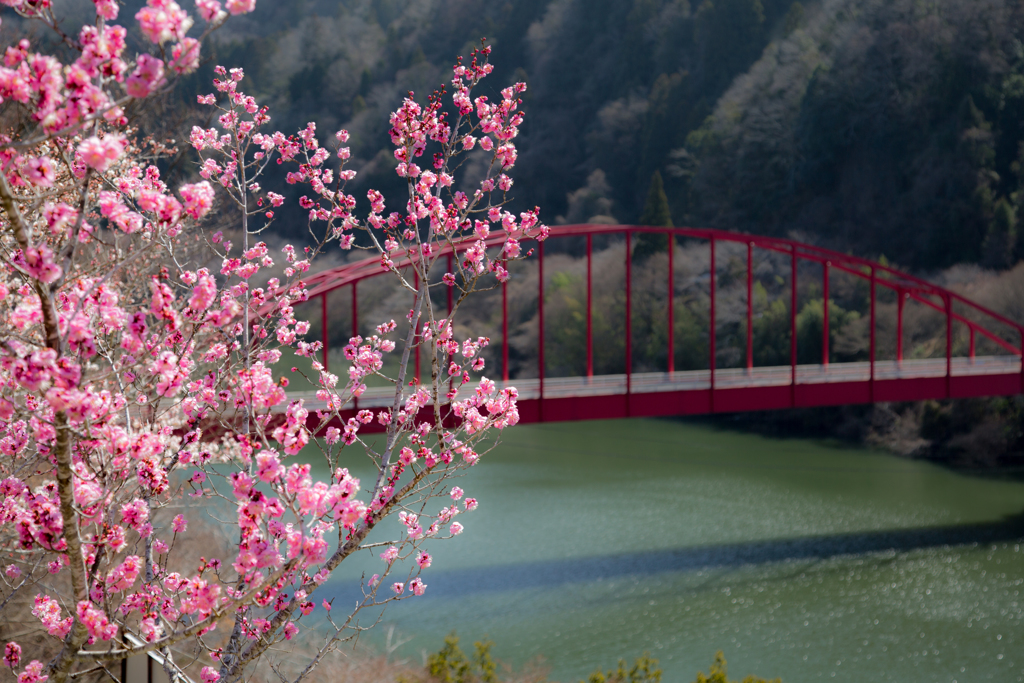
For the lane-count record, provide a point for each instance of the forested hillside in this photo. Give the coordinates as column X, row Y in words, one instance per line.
column 880, row 126
column 615, row 85
column 888, row 126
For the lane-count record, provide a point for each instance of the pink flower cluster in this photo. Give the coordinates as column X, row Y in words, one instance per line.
column 100, row 154
column 165, row 375
column 33, row 673
column 147, row 77
column 47, row 610
column 163, row 20
column 12, row 655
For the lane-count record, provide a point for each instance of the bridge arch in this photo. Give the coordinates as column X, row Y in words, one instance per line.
column 675, row 392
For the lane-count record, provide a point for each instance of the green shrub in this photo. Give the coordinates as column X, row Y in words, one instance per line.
column 718, row 673
column 643, row 671
column 450, row 664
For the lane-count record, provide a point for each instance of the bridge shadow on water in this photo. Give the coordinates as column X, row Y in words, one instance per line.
column 547, row 573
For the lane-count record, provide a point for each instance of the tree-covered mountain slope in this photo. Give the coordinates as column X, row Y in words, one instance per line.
column 878, row 126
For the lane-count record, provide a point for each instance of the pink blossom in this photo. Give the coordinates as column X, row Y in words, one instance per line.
column 240, row 6
column 269, row 468
column 163, row 20
column 96, row 621
column 107, row 9
column 455, row 528
column 390, row 554
column 125, row 575
column 290, row 629
column 423, row 560
column 47, row 610
column 179, row 524
column 210, row 10
column 416, row 586
column 209, row 675
column 147, row 77
column 39, row 262
column 293, row 435
column 100, row 154
column 12, row 571
column 135, row 513
column 39, row 171
column 257, row 388
column 12, row 655
column 33, row 673
column 204, row 292
column 398, row 587
column 456, row 493
column 198, row 198
column 185, row 56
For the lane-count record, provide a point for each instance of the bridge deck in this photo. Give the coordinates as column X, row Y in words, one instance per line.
column 729, row 380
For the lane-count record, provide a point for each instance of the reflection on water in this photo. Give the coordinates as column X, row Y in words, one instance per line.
column 596, row 541
column 456, row 583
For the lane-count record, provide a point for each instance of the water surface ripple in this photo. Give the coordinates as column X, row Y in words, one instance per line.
column 799, row 559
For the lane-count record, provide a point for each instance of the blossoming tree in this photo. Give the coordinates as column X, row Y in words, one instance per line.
column 133, row 378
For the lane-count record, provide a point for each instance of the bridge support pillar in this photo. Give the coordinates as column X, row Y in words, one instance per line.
column 629, row 322
column 949, row 345
column 671, row 306
column 871, row 382
column 750, row 308
column 355, row 324
column 540, row 327
column 416, row 336
column 323, row 326
column 824, row 315
column 901, row 297
column 504, row 332
column 792, row 328
column 590, row 309
column 711, row 331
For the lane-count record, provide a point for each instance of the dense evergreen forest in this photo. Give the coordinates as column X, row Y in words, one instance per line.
column 888, row 127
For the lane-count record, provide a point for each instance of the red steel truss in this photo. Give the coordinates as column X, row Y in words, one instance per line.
column 716, row 390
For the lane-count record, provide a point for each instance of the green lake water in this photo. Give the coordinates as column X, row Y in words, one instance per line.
column 600, row 540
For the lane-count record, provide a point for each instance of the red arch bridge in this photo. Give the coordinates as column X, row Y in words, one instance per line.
column 747, row 388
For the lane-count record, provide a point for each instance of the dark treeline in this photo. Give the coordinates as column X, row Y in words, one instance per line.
column 615, row 86
column 879, row 126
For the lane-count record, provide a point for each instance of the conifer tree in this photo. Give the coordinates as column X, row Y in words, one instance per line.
column 656, row 213
column 1001, row 240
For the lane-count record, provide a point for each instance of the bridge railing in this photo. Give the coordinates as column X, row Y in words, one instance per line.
column 975, row 317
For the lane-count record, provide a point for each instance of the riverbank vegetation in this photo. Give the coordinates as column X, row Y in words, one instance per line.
column 451, row 664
